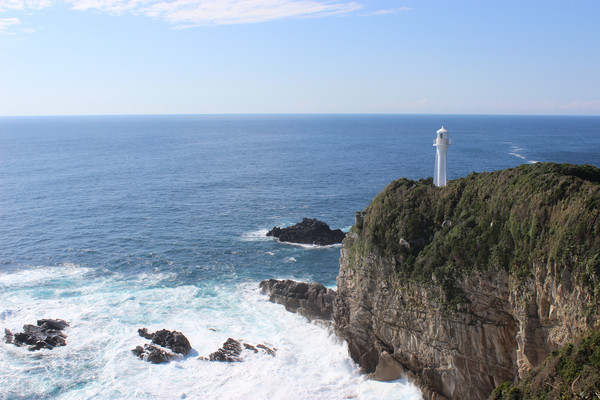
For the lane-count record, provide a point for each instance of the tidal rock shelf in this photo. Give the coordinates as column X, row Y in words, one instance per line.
column 311, row 300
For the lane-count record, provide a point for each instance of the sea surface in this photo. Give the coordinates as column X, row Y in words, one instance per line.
column 115, row 223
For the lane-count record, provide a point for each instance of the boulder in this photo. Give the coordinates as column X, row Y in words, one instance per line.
column 309, row 231
column 312, row 300
column 47, row 334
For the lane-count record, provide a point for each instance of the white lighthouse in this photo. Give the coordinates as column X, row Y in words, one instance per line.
column 441, row 142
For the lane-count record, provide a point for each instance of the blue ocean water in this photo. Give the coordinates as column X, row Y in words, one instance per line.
column 120, row 222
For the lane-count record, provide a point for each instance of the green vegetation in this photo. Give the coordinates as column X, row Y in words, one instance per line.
column 509, row 219
column 572, row 373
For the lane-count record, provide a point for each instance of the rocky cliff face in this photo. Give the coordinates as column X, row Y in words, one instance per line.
column 469, row 286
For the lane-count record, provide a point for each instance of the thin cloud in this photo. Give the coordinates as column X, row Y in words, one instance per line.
column 582, row 105
column 388, row 11
column 7, row 23
column 8, row 5
column 218, row 12
column 189, row 13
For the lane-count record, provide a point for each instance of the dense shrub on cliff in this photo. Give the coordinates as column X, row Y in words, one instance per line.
column 572, row 373
column 509, row 219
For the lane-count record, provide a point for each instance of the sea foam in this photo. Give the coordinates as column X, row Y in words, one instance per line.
column 105, row 311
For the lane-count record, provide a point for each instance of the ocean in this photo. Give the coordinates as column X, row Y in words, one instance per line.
column 114, row 223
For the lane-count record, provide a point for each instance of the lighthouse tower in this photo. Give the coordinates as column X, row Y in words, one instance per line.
column 441, row 142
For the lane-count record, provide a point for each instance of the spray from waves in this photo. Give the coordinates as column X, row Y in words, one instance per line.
column 257, row 235
column 516, row 151
column 105, row 311
column 42, row 275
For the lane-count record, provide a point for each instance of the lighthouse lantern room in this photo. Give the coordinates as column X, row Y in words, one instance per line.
column 442, row 142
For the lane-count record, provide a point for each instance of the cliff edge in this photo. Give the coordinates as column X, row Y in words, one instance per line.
column 474, row 284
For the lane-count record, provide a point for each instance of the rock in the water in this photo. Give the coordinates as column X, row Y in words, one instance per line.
column 266, row 349
column 312, row 300
column 388, row 369
column 8, row 336
column 165, row 340
column 46, row 335
column 153, row 354
column 173, row 340
column 309, row 231
column 232, row 351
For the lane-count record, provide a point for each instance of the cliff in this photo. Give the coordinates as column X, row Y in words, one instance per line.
column 472, row 285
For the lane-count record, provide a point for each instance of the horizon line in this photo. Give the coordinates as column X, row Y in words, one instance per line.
column 290, row 114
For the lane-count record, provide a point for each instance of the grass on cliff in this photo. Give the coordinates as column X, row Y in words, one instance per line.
column 572, row 373
column 510, row 219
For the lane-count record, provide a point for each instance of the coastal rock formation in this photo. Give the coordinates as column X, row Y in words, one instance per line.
column 48, row 334
column 232, row 351
column 464, row 306
column 312, row 300
column 165, row 344
column 309, row 231
column 572, row 373
column 153, row 354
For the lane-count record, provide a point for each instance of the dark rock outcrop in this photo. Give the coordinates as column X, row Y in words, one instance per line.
column 309, row 231
column 48, row 334
column 173, row 340
column 153, row 354
column 163, row 340
column 232, row 351
column 312, row 300
column 463, row 306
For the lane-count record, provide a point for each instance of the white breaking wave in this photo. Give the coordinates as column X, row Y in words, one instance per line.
column 312, row 246
column 105, row 312
column 258, row 235
column 516, row 151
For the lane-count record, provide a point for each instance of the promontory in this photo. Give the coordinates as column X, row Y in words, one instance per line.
column 466, row 287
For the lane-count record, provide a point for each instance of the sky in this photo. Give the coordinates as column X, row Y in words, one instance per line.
column 105, row 57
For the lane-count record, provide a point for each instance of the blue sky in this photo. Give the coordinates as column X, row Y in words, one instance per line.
column 73, row 57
